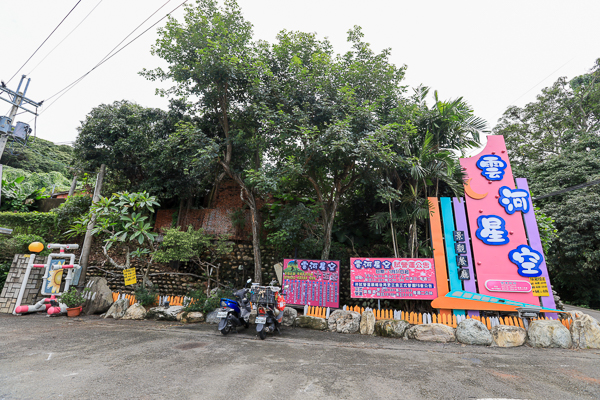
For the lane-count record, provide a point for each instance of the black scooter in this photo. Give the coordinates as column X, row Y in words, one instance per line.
column 268, row 315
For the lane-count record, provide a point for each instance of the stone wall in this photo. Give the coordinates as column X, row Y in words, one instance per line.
column 10, row 292
column 175, row 282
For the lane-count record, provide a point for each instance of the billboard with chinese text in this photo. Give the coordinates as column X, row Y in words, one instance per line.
column 312, row 282
column 392, row 278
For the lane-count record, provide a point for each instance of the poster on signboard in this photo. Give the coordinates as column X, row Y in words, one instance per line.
column 312, row 282
column 392, row 278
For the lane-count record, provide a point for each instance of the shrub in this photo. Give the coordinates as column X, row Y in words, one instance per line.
column 36, row 223
column 9, row 246
column 146, row 296
column 201, row 303
column 4, row 269
column 73, row 298
column 71, row 210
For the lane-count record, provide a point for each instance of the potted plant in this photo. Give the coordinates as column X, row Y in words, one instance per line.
column 73, row 300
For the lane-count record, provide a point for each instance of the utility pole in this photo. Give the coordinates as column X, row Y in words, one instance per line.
column 87, row 242
column 20, row 130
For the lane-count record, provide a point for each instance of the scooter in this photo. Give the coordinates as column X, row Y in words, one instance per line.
column 234, row 313
column 270, row 304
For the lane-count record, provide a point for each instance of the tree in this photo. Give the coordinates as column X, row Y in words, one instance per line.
column 560, row 114
column 119, row 135
column 212, row 58
column 123, row 219
column 196, row 247
column 327, row 114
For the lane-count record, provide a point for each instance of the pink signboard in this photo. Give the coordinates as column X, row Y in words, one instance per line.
column 495, row 285
column 393, row 278
column 312, row 282
column 495, row 209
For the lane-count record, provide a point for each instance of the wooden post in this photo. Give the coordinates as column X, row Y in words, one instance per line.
column 73, row 185
column 87, row 242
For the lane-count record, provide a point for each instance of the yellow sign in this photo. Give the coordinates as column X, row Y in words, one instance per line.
column 129, row 275
column 539, row 286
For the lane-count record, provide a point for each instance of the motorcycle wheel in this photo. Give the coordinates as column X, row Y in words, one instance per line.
column 262, row 335
column 225, row 331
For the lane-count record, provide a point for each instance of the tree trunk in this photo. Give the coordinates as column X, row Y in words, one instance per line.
column 180, row 213
column 328, row 217
column 393, row 231
column 254, row 216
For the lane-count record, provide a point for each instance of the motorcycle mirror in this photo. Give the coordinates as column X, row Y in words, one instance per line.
column 249, row 280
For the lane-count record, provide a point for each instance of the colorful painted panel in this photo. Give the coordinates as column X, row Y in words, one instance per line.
column 495, row 228
column 312, row 282
column 392, row 278
column 53, row 277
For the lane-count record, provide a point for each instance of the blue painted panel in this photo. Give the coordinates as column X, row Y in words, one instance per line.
column 448, row 222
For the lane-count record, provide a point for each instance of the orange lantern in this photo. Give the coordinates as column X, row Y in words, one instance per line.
column 36, row 247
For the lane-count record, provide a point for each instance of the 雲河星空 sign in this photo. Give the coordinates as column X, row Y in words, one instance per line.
column 312, row 282
column 393, row 278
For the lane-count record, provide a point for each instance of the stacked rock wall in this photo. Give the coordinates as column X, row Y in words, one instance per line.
column 177, row 283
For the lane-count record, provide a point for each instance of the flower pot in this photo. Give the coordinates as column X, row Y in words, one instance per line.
column 73, row 312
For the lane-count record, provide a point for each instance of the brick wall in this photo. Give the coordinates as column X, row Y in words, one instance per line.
column 10, row 292
column 215, row 221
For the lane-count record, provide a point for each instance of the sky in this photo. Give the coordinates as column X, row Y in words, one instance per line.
column 493, row 54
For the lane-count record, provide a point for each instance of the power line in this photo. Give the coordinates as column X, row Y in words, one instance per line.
column 63, row 91
column 569, row 189
column 63, row 20
column 65, row 38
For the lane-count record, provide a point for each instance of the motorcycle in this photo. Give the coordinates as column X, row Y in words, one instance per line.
column 234, row 313
column 270, row 304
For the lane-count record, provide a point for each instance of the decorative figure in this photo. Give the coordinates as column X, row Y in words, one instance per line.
column 471, row 193
column 527, row 259
column 491, row 230
column 513, row 200
column 492, row 167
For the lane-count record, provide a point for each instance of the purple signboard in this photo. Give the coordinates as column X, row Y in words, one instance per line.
column 312, row 282
column 393, row 278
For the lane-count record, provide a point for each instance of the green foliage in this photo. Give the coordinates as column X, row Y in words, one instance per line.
column 72, row 298
column 292, row 225
column 146, row 296
column 4, row 270
column 39, row 156
column 71, row 210
column 36, row 223
column 19, row 244
column 548, row 231
column 238, row 219
column 123, row 218
column 191, row 245
column 200, row 302
column 17, row 195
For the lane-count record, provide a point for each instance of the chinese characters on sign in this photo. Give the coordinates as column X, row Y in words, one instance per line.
column 527, row 259
column 539, row 286
column 312, row 282
column 392, row 278
column 497, row 285
column 129, row 276
column 463, row 274
column 492, row 167
column 491, row 230
column 514, row 200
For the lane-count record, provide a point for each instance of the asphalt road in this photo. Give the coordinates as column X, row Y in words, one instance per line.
column 592, row 313
column 92, row 358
